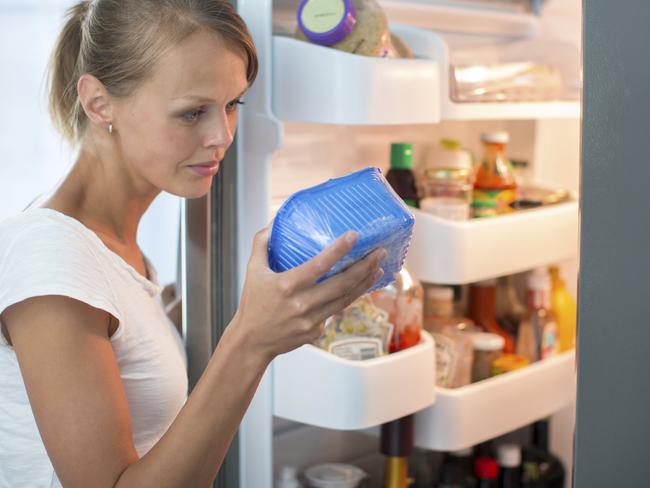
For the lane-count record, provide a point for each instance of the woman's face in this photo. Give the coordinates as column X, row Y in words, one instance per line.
column 174, row 130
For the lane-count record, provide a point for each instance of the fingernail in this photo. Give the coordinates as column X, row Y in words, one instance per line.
column 383, row 254
column 351, row 237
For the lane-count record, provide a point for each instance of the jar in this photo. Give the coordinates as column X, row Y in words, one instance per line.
column 487, row 349
column 447, row 193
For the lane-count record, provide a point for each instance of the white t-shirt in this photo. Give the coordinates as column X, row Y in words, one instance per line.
column 44, row 252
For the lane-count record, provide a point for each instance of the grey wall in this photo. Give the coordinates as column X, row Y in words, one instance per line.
column 613, row 412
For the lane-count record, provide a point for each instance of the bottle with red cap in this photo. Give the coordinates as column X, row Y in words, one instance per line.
column 486, row 470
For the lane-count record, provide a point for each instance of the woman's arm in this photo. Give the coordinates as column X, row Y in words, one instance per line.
column 79, row 402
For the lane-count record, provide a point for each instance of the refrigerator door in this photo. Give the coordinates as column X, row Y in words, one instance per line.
column 613, row 425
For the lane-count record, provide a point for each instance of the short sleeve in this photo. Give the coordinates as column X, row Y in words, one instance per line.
column 45, row 257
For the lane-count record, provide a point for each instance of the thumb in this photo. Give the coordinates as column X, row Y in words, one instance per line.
column 260, row 252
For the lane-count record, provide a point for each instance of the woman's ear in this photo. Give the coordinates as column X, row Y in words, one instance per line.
column 95, row 100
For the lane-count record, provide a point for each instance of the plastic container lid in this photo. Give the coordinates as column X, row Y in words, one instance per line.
column 442, row 293
column 499, row 137
column 312, row 219
column 334, row 475
column 401, row 155
column 509, row 455
column 486, row 468
column 326, row 22
column 485, row 341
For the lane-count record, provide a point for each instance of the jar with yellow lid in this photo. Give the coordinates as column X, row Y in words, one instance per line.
column 447, row 193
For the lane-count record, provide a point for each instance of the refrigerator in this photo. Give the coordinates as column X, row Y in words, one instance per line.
column 316, row 113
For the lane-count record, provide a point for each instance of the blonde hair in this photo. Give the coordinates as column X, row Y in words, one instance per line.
column 119, row 42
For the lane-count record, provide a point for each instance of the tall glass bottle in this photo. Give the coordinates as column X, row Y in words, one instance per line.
column 537, row 337
column 482, row 310
column 400, row 175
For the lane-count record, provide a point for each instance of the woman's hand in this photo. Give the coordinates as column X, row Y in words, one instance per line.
column 279, row 312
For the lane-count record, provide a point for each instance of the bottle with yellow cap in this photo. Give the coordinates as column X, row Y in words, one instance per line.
column 565, row 310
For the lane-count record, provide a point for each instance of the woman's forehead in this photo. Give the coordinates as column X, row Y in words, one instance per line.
column 202, row 65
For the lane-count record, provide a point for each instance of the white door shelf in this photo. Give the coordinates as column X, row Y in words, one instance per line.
column 315, row 387
column 317, row 84
column 466, row 416
column 453, row 252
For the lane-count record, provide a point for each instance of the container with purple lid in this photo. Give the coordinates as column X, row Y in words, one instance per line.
column 326, row 22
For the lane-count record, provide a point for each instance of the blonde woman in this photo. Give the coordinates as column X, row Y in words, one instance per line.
column 93, row 388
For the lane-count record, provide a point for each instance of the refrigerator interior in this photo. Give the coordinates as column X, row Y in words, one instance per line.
column 281, row 155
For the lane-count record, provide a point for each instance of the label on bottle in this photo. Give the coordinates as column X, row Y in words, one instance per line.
column 550, row 346
column 498, row 199
column 357, row 348
column 446, row 359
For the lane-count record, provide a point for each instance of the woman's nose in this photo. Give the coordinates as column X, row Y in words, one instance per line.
column 219, row 132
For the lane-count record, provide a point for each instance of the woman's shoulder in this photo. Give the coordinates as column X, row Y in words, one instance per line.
column 42, row 235
column 42, row 224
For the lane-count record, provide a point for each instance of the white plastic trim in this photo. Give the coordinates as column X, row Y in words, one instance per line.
column 466, row 416
column 453, row 252
column 315, row 387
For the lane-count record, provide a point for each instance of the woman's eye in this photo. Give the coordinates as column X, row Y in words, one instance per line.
column 193, row 115
column 232, row 106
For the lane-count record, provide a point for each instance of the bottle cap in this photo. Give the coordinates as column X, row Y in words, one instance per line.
column 401, row 155
column 486, row 468
column 539, row 280
column 449, row 154
column 326, row 22
column 499, row 137
column 442, row 293
column 509, row 455
column 485, row 341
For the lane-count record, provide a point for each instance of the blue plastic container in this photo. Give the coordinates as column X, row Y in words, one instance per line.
column 312, row 219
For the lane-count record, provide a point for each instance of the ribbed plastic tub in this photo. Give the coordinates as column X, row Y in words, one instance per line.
column 312, row 219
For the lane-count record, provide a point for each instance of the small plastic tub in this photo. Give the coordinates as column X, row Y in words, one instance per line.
column 312, row 219
column 334, row 475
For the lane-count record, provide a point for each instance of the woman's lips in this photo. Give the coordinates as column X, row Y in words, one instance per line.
column 206, row 169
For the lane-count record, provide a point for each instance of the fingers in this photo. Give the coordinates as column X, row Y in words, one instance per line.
column 309, row 272
column 346, row 299
column 338, row 285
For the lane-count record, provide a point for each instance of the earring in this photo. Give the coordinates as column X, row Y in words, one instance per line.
column 110, row 128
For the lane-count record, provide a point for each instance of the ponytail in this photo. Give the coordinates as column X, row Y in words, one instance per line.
column 63, row 74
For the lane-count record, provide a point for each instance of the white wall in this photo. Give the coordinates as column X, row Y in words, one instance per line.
column 32, row 155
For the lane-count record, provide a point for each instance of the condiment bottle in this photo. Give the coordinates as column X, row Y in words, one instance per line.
column 482, row 310
column 565, row 310
column 494, row 185
column 537, row 337
column 487, row 349
column 400, row 175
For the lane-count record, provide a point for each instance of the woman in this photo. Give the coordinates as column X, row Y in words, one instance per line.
column 93, row 388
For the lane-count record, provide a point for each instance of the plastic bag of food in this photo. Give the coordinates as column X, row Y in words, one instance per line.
column 360, row 331
column 312, row 219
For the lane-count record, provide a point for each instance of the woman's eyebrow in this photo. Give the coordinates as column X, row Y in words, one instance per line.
column 201, row 99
